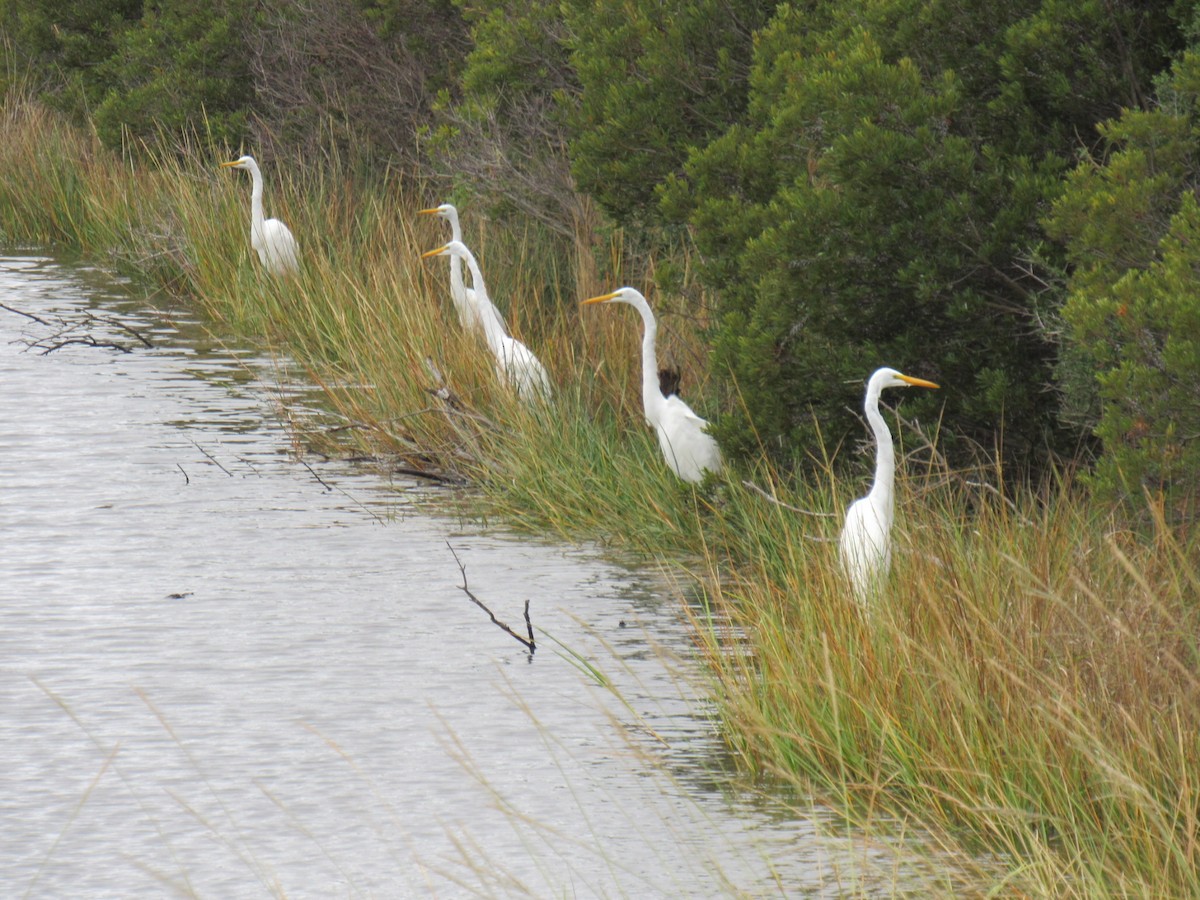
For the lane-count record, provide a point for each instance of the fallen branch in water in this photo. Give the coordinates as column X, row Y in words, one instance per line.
column 73, row 331
column 21, row 312
column 529, row 642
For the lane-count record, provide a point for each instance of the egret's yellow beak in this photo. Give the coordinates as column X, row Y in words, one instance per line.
column 427, row 212
column 436, row 252
column 599, row 299
column 917, row 382
column 229, row 164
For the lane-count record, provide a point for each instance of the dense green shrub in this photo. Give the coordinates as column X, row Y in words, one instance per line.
column 655, row 81
column 880, row 204
column 1132, row 227
column 64, row 44
column 184, row 68
column 302, row 79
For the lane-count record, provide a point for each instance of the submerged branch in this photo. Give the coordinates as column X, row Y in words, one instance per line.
column 76, row 332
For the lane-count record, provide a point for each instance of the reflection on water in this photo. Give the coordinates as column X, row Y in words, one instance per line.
column 221, row 674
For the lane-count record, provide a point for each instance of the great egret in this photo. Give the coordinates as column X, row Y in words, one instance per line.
column 276, row 247
column 466, row 301
column 515, row 363
column 686, row 445
column 865, row 544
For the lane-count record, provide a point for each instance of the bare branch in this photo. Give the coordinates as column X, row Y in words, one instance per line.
column 529, row 642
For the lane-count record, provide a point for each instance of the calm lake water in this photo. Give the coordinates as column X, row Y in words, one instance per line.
column 226, row 673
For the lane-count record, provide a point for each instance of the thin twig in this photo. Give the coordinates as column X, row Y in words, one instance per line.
column 21, row 312
column 313, row 473
column 529, row 643
column 211, row 458
column 773, row 499
column 329, row 488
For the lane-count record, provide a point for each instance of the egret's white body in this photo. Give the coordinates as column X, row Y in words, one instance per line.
column 515, row 363
column 471, row 311
column 866, row 542
column 272, row 240
column 686, row 445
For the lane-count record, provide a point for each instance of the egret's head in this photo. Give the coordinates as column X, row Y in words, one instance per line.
column 446, row 211
column 890, row 378
column 454, row 248
column 242, row 162
column 624, row 295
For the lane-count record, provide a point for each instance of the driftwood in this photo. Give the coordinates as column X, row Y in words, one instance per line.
column 529, row 643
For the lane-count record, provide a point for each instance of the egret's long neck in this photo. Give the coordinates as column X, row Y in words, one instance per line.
column 256, row 192
column 885, row 454
column 456, row 276
column 651, row 395
column 491, row 328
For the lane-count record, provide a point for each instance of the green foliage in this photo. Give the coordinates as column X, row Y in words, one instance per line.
column 655, row 80
column 518, row 51
column 183, row 69
column 879, row 205
column 1131, row 225
column 65, row 43
column 853, row 227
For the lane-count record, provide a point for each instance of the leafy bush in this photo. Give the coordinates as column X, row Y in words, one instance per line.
column 654, row 82
column 65, row 44
column 184, row 68
column 880, row 204
column 1132, row 226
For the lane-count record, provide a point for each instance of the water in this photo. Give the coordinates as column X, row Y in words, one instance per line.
column 227, row 673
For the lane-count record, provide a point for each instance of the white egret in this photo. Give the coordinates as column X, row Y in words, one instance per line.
column 466, row 301
column 515, row 363
column 272, row 240
column 865, row 544
column 686, row 445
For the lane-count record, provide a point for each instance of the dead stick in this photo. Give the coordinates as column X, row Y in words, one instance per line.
column 212, row 458
column 21, row 312
column 529, row 643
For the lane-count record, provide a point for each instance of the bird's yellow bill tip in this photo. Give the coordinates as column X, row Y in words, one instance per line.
column 429, row 253
column 427, row 212
column 226, row 165
column 599, row 299
column 917, row 382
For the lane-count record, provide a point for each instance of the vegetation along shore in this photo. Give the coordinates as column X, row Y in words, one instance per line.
column 996, row 202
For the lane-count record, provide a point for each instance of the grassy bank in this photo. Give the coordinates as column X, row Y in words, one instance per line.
column 1028, row 684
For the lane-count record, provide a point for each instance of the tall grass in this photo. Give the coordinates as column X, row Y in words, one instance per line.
column 1026, row 685
column 1028, row 681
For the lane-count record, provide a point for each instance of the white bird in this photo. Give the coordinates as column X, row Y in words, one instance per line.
column 276, row 247
column 466, row 301
column 686, row 445
column 865, row 543
column 515, row 363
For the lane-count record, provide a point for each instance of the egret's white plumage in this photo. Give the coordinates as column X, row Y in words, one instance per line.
column 466, row 301
column 272, row 240
column 515, row 363
column 866, row 542
column 686, row 445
